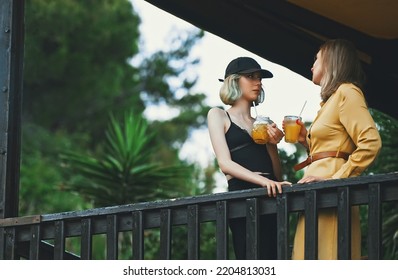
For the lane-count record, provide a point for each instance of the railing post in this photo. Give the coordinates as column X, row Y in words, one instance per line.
column 11, row 76
column 165, row 234
column 252, row 229
column 311, row 225
column 138, row 235
column 59, row 242
column 193, row 231
column 86, row 239
column 222, row 230
column 2, row 243
column 34, row 246
column 374, row 223
column 283, row 226
column 10, row 246
column 112, row 237
column 344, row 224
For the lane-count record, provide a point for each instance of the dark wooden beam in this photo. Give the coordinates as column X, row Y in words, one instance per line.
column 290, row 36
column 11, row 69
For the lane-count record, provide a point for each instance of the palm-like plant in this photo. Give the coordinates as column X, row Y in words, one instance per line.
column 125, row 172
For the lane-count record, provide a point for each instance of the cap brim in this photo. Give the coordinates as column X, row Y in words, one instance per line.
column 264, row 73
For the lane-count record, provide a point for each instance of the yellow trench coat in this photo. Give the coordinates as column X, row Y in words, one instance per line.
column 342, row 124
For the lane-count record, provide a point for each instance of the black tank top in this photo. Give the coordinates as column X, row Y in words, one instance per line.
column 248, row 154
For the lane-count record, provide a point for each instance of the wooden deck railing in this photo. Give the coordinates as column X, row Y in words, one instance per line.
column 45, row 236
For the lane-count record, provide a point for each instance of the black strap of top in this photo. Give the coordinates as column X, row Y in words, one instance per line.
column 229, row 117
column 240, row 146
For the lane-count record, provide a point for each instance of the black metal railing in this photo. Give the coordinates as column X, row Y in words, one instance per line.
column 45, row 236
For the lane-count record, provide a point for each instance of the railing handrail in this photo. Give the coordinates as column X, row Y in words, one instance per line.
column 199, row 199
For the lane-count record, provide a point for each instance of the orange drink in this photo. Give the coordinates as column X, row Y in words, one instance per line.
column 291, row 128
column 260, row 132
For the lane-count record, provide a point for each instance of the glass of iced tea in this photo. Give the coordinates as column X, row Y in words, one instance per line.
column 291, row 129
column 260, row 132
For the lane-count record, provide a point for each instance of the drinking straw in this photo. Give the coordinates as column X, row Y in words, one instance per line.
column 302, row 108
column 255, row 109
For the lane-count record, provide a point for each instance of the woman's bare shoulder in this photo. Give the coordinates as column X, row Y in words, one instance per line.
column 216, row 112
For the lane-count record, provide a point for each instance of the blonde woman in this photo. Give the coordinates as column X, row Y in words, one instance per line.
column 245, row 163
column 342, row 141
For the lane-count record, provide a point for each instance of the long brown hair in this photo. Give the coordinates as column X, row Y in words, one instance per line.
column 341, row 64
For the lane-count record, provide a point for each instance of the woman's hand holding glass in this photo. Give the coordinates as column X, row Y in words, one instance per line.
column 275, row 134
column 303, row 133
column 302, row 138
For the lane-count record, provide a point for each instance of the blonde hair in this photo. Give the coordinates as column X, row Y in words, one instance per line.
column 341, row 64
column 230, row 91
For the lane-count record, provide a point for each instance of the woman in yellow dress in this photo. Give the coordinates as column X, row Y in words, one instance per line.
column 342, row 140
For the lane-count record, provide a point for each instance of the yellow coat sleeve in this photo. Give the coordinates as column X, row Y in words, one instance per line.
column 359, row 125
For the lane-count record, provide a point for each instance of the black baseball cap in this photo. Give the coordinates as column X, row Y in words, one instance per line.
column 245, row 65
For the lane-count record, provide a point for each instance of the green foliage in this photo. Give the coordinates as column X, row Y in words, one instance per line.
column 390, row 231
column 77, row 62
column 41, row 179
column 124, row 172
column 159, row 83
column 78, row 73
column 77, row 59
column 166, row 78
column 288, row 161
column 387, row 160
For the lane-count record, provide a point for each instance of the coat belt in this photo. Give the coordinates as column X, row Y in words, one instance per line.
column 317, row 156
